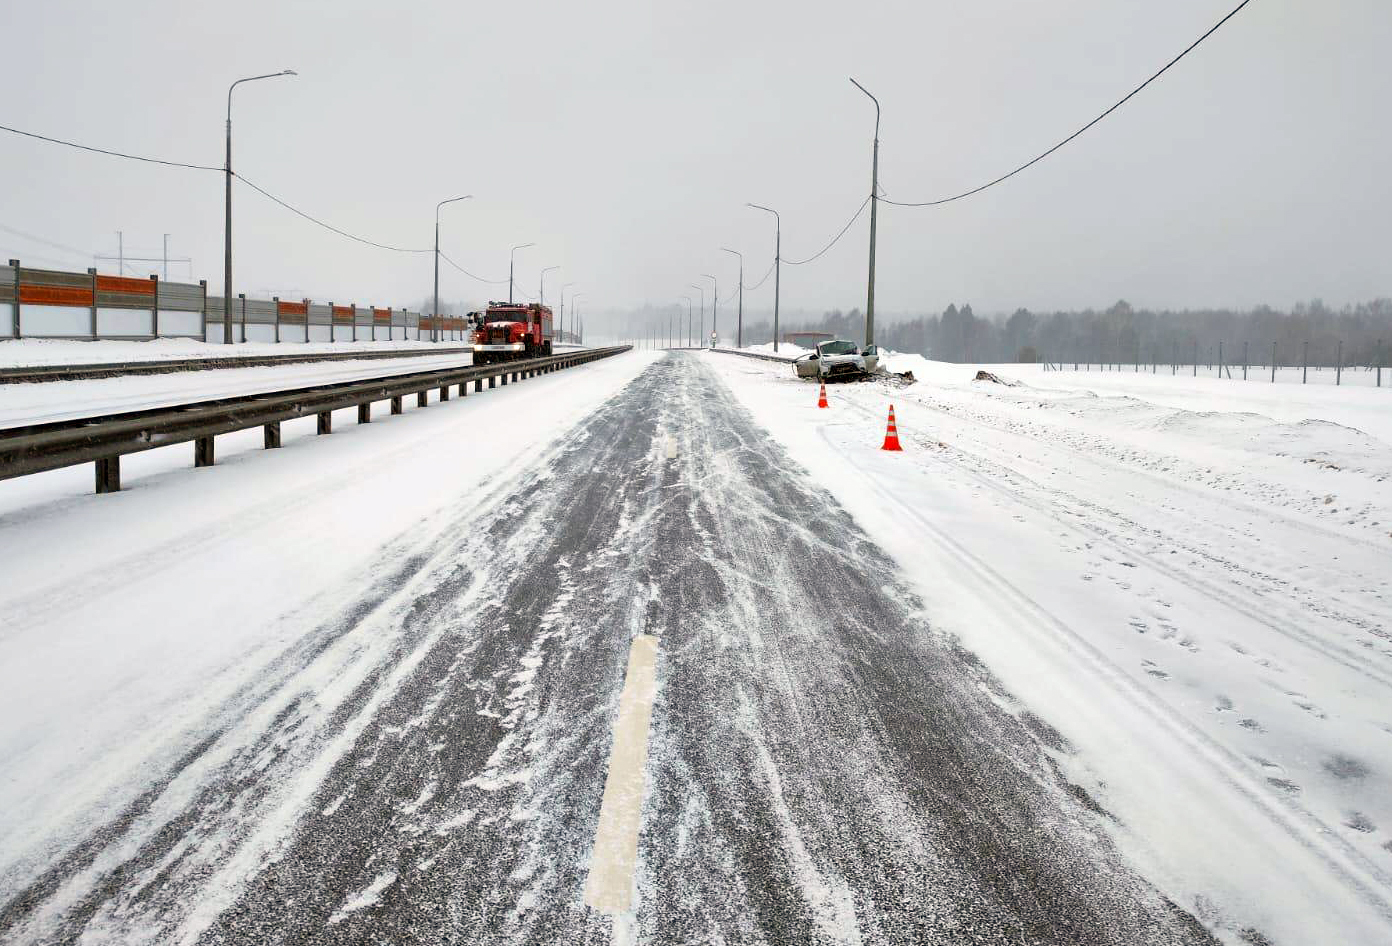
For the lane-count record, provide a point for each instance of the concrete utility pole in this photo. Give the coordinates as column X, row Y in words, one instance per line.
column 715, row 301
column 777, row 263
column 874, row 205
column 702, row 291
column 435, row 312
column 688, row 321
column 512, row 258
column 227, row 235
column 739, row 323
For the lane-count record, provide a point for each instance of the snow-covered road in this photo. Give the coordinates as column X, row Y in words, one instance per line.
column 420, row 755
column 1053, row 675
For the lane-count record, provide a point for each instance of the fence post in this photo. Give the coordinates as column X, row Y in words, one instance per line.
column 92, row 271
column 306, row 320
column 1339, row 365
column 1196, row 358
column 203, row 284
column 1379, row 380
column 154, row 307
column 1244, row 361
column 1220, row 361
column 353, row 308
column 1305, row 364
column 14, row 313
column 275, row 301
column 242, row 297
column 1273, row 362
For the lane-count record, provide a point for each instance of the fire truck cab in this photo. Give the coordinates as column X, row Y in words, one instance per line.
column 509, row 331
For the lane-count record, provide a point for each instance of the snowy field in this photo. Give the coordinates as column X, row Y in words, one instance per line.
column 1191, row 579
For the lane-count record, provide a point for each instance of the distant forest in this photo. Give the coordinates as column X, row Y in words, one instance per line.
column 1125, row 335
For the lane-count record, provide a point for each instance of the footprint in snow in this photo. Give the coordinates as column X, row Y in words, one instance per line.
column 1251, row 724
column 1359, row 822
column 1222, row 704
column 1285, row 785
column 1154, row 671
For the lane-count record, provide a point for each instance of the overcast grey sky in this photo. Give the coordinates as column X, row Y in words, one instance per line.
column 625, row 138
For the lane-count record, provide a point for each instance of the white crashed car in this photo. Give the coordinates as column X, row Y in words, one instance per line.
column 837, row 359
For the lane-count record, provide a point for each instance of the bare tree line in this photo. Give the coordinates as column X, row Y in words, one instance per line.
column 1122, row 334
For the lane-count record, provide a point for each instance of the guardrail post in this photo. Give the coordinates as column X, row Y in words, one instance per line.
column 325, row 425
column 108, row 475
column 396, row 404
column 91, row 271
column 365, row 412
column 154, row 307
column 422, row 398
column 463, row 389
column 444, row 393
column 272, row 432
column 478, row 384
column 502, row 378
column 14, row 312
column 492, row 381
column 203, row 451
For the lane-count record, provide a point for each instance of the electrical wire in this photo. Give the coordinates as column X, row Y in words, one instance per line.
column 38, row 239
column 114, row 154
column 764, row 279
column 494, row 282
column 1035, row 160
column 834, row 240
column 342, row 233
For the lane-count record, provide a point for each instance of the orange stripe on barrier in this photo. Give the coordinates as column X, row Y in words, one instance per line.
column 343, row 313
column 137, row 287
column 381, row 315
column 294, row 308
column 54, row 295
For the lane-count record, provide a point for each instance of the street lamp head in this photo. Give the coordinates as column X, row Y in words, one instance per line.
column 522, row 246
column 288, row 72
column 707, row 276
column 726, row 249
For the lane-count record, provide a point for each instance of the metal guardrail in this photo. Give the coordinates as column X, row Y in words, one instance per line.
column 104, row 439
column 116, row 369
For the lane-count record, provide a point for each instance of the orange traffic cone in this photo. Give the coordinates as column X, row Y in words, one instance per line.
column 891, row 433
column 821, row 398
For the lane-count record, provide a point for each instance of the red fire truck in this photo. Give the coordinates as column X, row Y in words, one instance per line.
column 509, row 331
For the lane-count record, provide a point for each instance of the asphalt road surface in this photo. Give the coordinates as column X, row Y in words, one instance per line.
column 428, row 766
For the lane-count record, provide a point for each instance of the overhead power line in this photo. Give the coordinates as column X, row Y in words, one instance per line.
column 834, row 240
column 114, row 154
column 495, row 282
column 326, row 226
column 1035, row 160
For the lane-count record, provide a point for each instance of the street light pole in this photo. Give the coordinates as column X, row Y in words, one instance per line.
column 573, row 323
column 777, row 263
column 435, row 321
column 702, row 291
column 512, row 258
column 715, row 302
column 874, row 206
column 739, row 324
column 688, row 321
column 543, row 282
column 227, row 235
column 563, row 289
